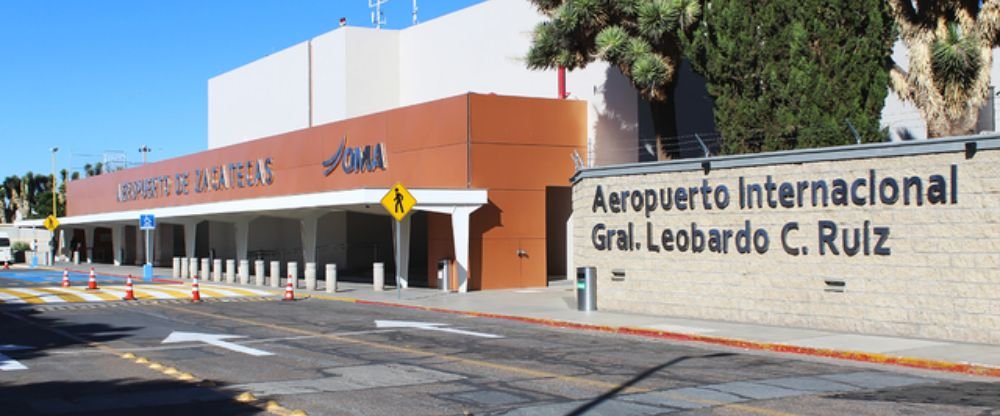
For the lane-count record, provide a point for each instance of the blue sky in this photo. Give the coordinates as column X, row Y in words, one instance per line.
column 100, row 76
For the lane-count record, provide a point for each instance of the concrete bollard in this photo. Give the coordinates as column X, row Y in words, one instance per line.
column 230, row 271
column 378, row 276
column 310, row 274
column 76, row 257
column 331, row 277
column 178, row 268
column 217, row 270
column 258, row 272
column 193, row 268
column 293, row 273
column 205, row 271
column 244, row 272
column 275, row 274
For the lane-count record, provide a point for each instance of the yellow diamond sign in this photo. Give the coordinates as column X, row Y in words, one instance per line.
column 398, row 201
column 51, row 223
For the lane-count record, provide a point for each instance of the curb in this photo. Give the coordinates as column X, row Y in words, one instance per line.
column 860, row 356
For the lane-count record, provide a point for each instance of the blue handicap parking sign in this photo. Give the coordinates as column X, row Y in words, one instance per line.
column 147, row 222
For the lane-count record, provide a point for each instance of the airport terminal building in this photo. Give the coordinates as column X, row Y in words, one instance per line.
column 303, row 143
column 515, row 190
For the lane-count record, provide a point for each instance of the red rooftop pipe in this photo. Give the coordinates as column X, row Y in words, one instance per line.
column 562, row 83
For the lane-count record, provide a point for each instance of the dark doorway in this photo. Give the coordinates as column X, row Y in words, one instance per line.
column 558, row 207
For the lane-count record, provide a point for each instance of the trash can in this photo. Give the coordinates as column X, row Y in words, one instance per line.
column 444, row 274
column 586, row 288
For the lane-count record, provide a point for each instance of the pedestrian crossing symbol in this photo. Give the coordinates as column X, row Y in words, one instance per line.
column 51, row 223
column 398, row 201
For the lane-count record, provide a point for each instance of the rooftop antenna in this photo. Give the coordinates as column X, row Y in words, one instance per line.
column 415, row 12
column 377, row 18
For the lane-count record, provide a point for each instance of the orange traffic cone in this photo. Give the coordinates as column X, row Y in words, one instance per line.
column 289, row 290
column 92, row 282
column 65, row 282
column 129, row 293
column 195, row 293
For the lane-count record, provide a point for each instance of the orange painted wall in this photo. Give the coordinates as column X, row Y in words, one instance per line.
column 519, row 146
column 511, row 146
column 417, row 139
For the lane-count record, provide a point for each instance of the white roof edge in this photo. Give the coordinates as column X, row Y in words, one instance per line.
column 426, row 198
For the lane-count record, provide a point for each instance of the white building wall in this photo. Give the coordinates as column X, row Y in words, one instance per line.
column 358, row 71
column 263, row 98
column 488, row 57
column 372, row 70
column 329, row 77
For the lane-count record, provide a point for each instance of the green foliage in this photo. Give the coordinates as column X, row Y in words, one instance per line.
column 20, row 246
column 789, row 74
column 955, row 61
column 639, row 37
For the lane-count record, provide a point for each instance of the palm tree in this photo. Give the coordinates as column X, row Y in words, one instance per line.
column 12, row 192
column 951, row 45
column 642, row 38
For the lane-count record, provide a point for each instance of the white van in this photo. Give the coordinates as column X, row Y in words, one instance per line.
column 5, row 253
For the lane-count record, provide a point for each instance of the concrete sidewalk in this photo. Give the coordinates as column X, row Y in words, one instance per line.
column 556, row 306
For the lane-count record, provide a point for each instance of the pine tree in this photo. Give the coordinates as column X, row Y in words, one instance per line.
column 789, row 74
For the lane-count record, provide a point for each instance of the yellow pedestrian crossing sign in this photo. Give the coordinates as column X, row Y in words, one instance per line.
column 398, row 201
column 51, row 223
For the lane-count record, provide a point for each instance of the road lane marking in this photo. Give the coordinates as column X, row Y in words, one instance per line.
column 243, row 342
column 9, row 298
column 34, row 296
column 270, row 406
column 214, row 339
column 10, row 364
column 430, row 326
column 86, row 297
column 472, row 361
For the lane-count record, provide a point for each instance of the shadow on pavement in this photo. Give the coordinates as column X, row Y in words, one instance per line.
column 24, row 326
column 119, row 397
column 972, row 394
column 583, row 409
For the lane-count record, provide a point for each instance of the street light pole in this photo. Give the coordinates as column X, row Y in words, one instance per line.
column 144, row 149
column 52, row 242
column 54, row 150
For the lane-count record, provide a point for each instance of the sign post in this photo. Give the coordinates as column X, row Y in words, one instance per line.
column 147, row 223
column 51, row 223
column 398, row 202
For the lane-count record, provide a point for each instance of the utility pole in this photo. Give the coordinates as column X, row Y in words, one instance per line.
column 377, row 19
column 144, row 149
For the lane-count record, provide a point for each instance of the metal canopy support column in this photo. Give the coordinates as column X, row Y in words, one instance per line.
column 140, row 246
column 403, row 252
column 242, row 234
column 118, row 242
column 309, row 224
column 460, row 235
column 190, row 233
column 88, row 238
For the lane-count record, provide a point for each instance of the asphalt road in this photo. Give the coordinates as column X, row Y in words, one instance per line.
column 335, row 358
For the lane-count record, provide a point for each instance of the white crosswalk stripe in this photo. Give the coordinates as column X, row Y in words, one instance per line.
column 45, row 297
column 6, row 298
column 106, row 293
column 83, row 295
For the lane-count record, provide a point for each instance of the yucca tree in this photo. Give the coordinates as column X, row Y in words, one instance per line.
column 640, row 37
column 951, row 45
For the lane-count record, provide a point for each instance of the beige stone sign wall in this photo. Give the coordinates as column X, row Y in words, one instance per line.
column 906, row 243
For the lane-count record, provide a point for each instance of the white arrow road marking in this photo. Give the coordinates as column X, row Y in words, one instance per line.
column 429, row 326
column 214, row 339
column 10, row 364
